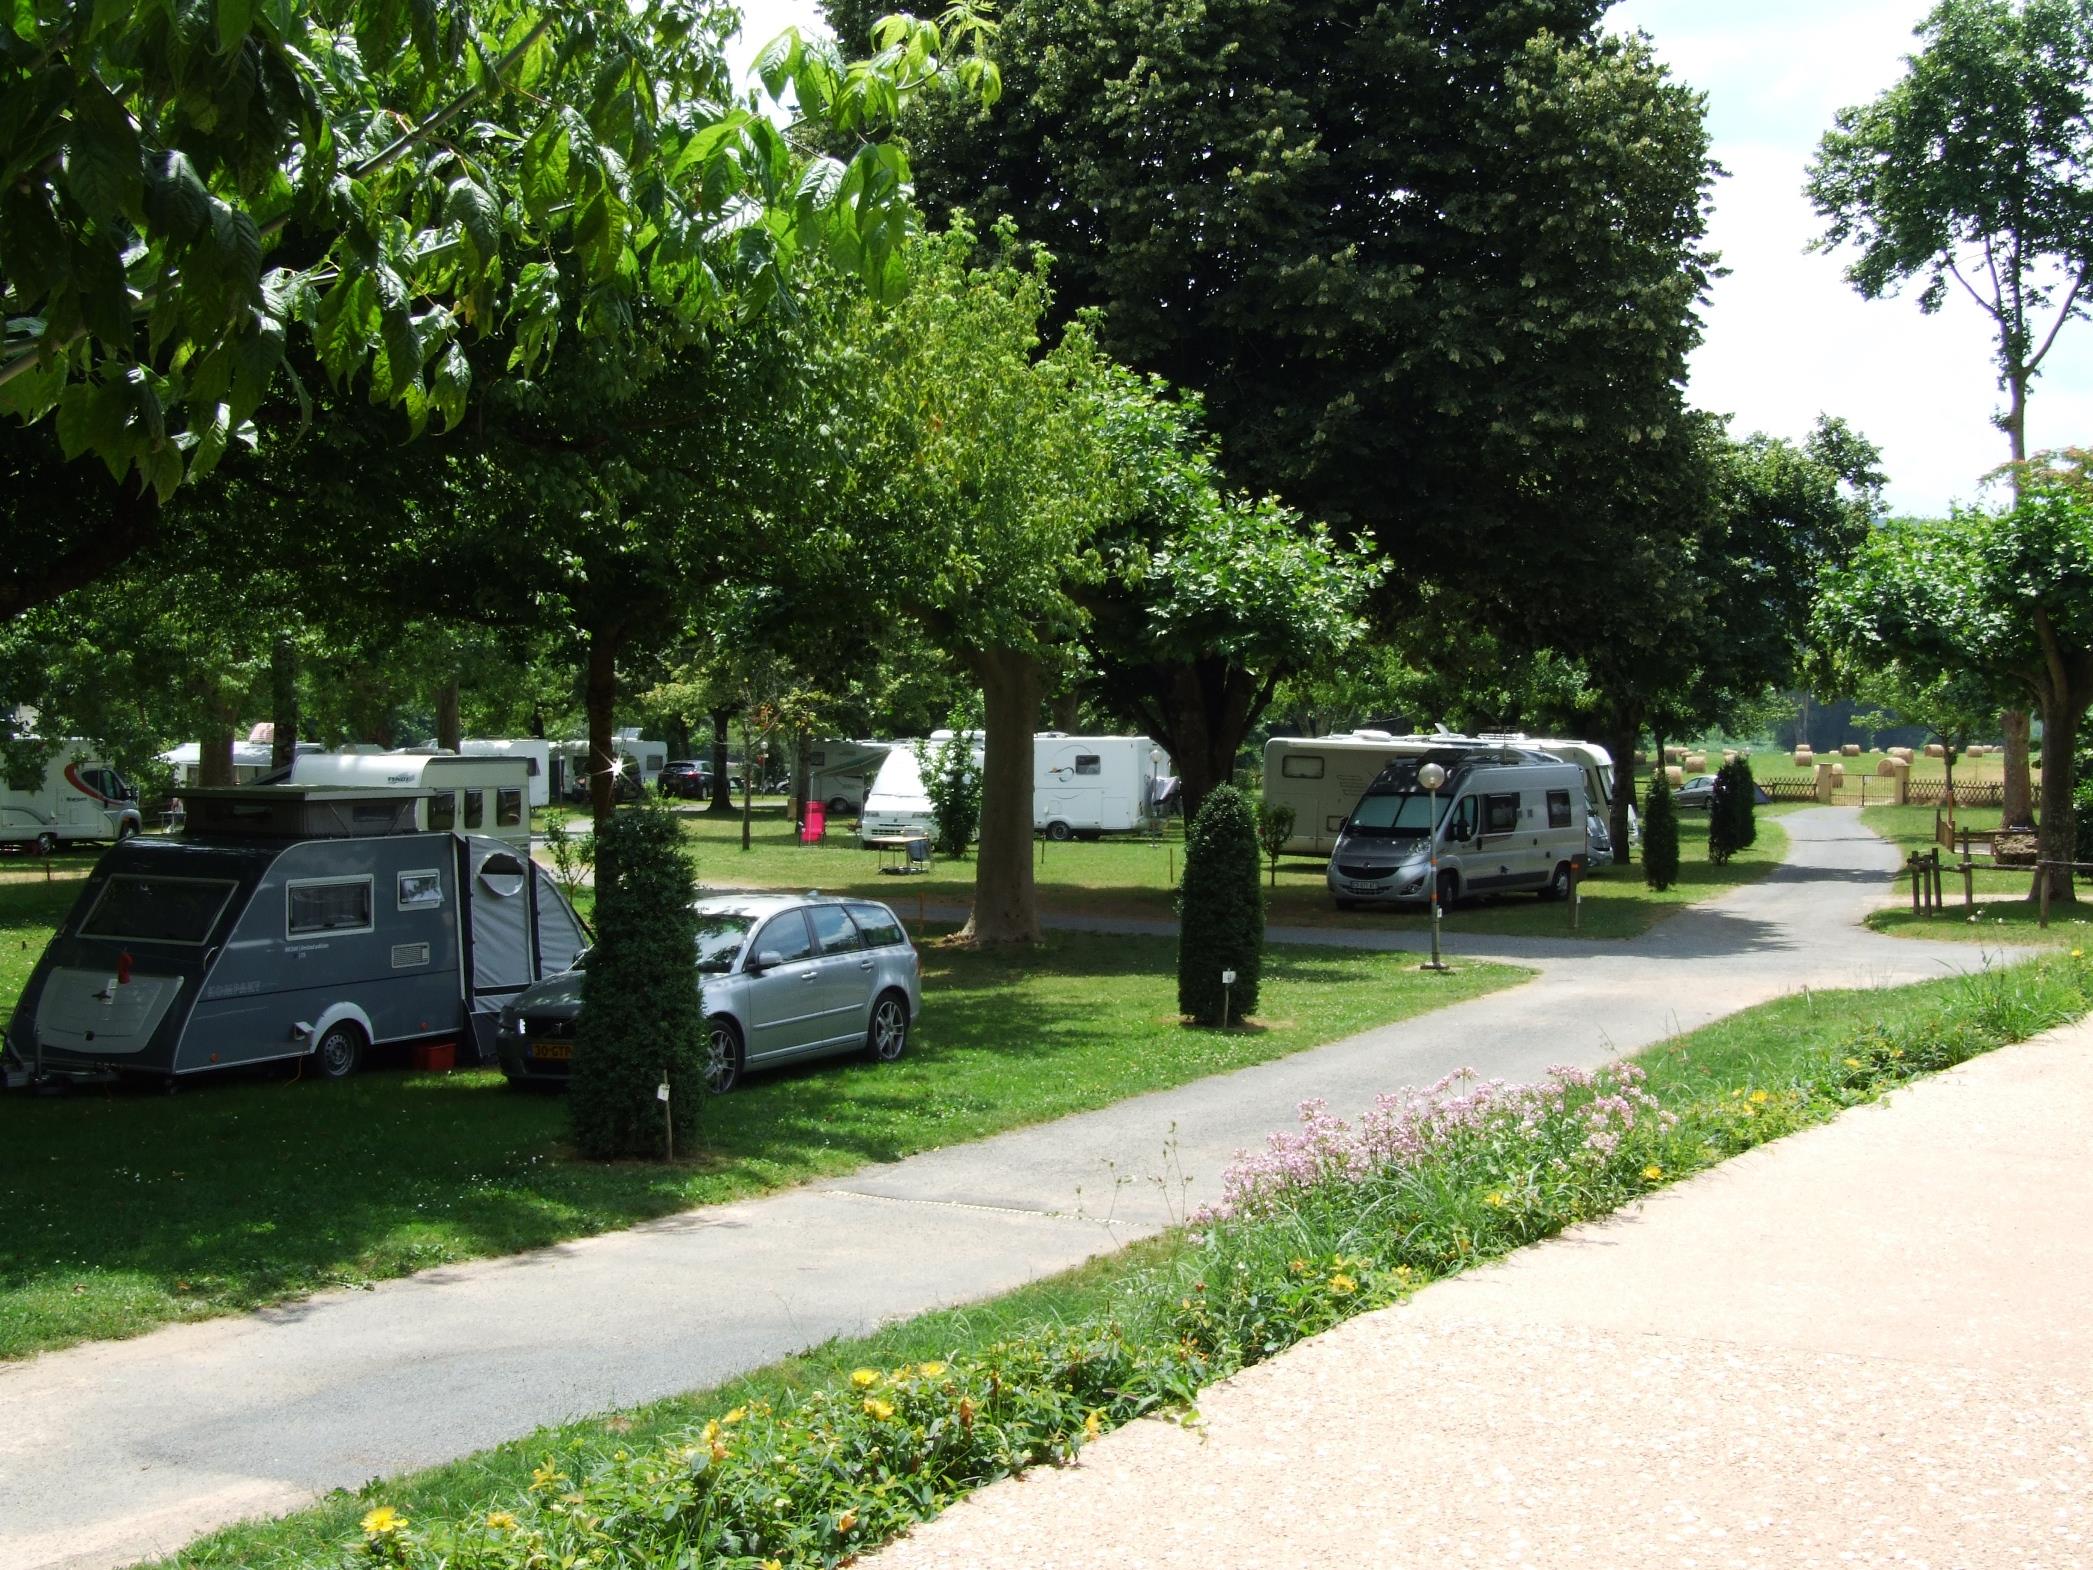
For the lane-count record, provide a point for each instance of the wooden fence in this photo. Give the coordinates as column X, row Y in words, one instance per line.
column 1804, row 789
column 1934, row 793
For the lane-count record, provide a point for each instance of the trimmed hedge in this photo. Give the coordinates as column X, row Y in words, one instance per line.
column 1660, row 835
column 1221, row 911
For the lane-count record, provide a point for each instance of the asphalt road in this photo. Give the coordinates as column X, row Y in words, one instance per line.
column 116, row 1450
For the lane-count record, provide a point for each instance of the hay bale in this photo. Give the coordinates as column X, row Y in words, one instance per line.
column 1729, row 754
column 1696, row 762
column 1675, row 776
column 1674, row 754
column 1976, row 750
column 1902, row 753
column 1805, row 758
column 1642, row 758
column 1889, row 768
column 1850, row 749
column 1838, row 772
column 1935, row 750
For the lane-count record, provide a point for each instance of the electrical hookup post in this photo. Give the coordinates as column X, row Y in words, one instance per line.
column 668, row 1113
column 1431, row 777
column 1227, row 985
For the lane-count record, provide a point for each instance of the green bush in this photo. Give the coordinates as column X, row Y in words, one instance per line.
column 641, row 1017
column 1275, row 826
column 952, row 781
column 1660, row 834
column 1732, row 818
column 1221, row 912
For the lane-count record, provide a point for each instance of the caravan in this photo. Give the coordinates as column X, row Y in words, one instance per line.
column 470, row 795
column 78, row 798
column 290, row 922
column 1084, row 786
column 535, row 751
column 839, row 772
column 1502, row 820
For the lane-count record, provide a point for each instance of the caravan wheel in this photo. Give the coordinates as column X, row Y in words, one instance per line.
column 1060, row 832
column 838, row 806
column 339, row 1051
column 47, row 843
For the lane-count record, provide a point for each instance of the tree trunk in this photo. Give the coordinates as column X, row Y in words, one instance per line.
column 1005, row 909
column 214, row 756
column 600, row 696
column 1623, row 726
column 283, row 703
column 2061, row 718
column 1068, row 712
column 801, row 743
column 722, row 797
column 748, row 778
column 2018, row 803
column 450, row 727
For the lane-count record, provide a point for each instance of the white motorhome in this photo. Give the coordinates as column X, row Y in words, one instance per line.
column 840, row 771
column 1084, row 786
column 78, row 798
column 535, row 751
column 468, row 795
column 1593, row 759
column 1503, row 820
column 896, row 804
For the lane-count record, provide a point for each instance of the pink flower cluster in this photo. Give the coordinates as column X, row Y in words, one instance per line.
column 1573, row 1114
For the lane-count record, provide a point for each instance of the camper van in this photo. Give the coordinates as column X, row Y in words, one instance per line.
column 1084, row 786
column 1504, row 819
column 896, row 804
column 839, row 772
column 1593, row 759
column 469, row 795
column 78, row 798
column 289, row 922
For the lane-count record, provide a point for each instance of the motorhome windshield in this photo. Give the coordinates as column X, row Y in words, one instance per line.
column 720, row 934
column 1394, row 814
column 157, row 910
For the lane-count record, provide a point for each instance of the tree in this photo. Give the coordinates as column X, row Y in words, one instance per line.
column 641, row 1021
column 2006, row 598
column 1732, row 814
column 1221, row 912
column 952, row 781
column 1275, row 826
column 1432, row 264
column 184, row 198
column 1971, row 173
column 1660, row 833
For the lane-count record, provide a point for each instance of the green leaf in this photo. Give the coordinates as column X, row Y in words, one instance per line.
column 475, row 213
column 175, row 199
column 234, row 17
column 102, row 161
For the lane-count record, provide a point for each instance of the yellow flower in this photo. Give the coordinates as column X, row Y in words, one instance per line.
column 501, row 1521
column 773, row 1564
column 1853, row 1063
column 2078, row 953
column 1896, row 1052
column 1093, row 1425
column 864, row 1378
column 711, row 1435
column 383, row 1521
column 736, row 1415
column 1343, row 1285
column 1758, row 1098
column 846, row 1521
column 1652, row 1172
column 544, row 1476
column 931, row 1370
column 879, row 1410
column 1494, row 1199
column 1298, row 1266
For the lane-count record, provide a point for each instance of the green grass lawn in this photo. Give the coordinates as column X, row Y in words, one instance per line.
column 1135, row 877
column 124, row 1210
column 1792, row 1048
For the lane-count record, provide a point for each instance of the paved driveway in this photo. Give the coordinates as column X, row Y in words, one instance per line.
column 114, row 1450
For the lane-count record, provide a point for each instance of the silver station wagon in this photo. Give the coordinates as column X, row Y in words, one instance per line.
column 783, row 977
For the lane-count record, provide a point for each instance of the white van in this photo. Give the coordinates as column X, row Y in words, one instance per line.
column 1507, row 819
column 896, row 804
column 78, row 798
column 1084, row 786
column 471, row 795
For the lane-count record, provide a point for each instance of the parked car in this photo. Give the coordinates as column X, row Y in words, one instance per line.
column 783, row 977
column 1698, row 794
column 685, row 777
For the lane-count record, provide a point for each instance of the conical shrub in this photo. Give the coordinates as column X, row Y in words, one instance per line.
column 1221, row 911
column 1660, row 835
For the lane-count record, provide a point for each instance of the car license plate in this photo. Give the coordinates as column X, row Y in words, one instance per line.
column 552, row 1051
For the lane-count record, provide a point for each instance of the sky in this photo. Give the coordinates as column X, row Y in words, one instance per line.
column 1786, row 337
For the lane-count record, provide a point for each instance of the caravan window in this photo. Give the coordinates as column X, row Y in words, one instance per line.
column 1089, row 763
column 1301, row 767
column 1500, row 814
column 508, row 808
column 157, row 910
column 443, row 810
column 421, row 890
column 1558, row 809
column 475, row 808
column 328, row 905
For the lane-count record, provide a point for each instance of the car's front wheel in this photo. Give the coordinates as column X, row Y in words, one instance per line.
column 887, row 1037
column 722, row 1055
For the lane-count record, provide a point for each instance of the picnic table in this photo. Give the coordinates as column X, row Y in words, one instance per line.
column 901, row 853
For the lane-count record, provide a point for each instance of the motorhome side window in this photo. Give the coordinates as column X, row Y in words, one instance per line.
column 475, row 808
column 443, row 810
column 421, row 890
column 1500, row 814
column 1089, row 763
column 331, row 905
column 1301, row 768
column 508, row 807
column 1558, row 809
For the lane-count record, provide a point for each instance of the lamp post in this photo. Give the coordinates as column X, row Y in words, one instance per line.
column 1431, row 777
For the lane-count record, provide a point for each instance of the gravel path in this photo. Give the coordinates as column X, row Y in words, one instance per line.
column 117, row 1449
column 1867, row 1344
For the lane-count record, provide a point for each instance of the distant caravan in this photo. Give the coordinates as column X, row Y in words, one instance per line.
column 1082, row 786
